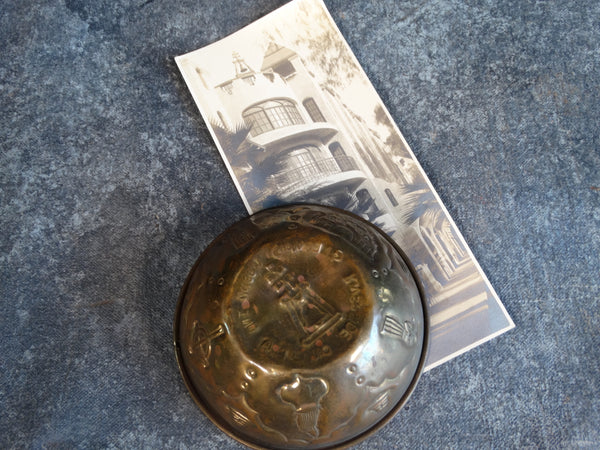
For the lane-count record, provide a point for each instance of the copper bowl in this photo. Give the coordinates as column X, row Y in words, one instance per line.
column 301, row 327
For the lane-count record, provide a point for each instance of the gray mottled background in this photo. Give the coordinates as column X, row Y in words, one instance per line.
column 110, row 187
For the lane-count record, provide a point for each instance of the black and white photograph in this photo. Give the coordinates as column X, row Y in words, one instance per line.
column 296, row 120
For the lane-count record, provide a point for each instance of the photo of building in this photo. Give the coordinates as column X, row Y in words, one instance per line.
column 290, row 135
column 289, row 141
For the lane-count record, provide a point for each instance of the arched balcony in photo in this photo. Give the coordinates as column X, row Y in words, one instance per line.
column 302, row 165
column 271, row 115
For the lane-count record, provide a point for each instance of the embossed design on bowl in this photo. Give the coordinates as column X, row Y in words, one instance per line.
column 301, row 327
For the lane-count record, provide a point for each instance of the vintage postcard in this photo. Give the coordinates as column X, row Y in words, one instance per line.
column 296, row 119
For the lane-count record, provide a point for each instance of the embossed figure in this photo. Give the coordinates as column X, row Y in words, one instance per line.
column 310, row 313
column 305, row 395
column 241, row 238
column 405, row 331
column 238, row 417
column 200, row 346
column 381, row 402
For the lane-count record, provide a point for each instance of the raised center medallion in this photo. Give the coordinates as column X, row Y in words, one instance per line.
column 299, row 302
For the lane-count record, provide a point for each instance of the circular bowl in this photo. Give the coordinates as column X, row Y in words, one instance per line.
column 301, row 327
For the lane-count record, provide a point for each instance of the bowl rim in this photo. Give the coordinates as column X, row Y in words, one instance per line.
column 234, row 433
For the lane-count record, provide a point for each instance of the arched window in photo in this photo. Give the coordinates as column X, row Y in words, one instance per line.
column 344, row 161
column 313, row 110
column 391, row 196
column 302, row 161
column 270, row 115
column 297, row 165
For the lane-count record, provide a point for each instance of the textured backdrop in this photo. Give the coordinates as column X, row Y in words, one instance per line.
column 110, row 187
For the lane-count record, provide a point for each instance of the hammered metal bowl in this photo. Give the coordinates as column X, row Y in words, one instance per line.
column 301, row 327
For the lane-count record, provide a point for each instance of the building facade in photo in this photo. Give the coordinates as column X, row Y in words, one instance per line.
column 289, row 140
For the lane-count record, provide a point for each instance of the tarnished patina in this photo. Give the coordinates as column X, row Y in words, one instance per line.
column 301, row 327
